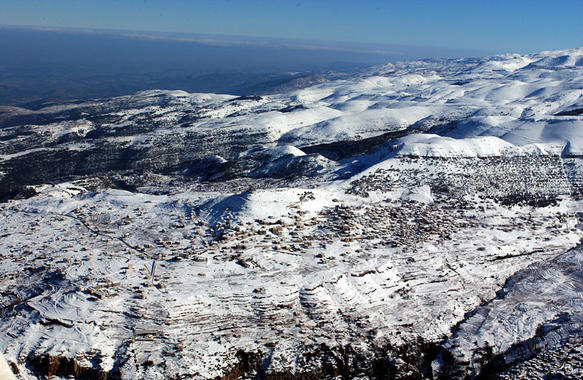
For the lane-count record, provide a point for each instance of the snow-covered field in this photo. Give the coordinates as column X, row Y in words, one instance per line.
column 448, row 249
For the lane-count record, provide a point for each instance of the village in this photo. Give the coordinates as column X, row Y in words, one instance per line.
column 376, row 260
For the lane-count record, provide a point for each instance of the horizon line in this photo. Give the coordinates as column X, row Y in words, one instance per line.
column 261, row 41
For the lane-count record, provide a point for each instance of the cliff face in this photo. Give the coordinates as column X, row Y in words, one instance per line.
column 420, row 221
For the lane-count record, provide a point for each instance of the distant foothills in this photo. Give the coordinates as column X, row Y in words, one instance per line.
column 50, row 64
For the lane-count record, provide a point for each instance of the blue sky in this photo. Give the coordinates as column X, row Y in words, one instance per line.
column 493, row 25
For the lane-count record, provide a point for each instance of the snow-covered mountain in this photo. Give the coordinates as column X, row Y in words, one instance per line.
column 420, row 220
column 532, row 102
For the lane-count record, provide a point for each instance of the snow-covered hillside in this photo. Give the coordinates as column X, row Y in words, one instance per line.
column 534, row 102
column 421, row 220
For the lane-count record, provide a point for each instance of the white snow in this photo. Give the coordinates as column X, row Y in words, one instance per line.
column 428, row 145
column 5, row 371
column 282, row 269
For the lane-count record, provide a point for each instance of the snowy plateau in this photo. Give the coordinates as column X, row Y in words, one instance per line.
column 418, row 220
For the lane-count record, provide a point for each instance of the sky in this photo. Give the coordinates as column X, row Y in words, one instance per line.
column 498, row 26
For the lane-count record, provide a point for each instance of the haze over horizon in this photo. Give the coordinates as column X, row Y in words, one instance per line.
column 224, row 40
column 53, row 64
column 69, row 50
column 498, row 26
